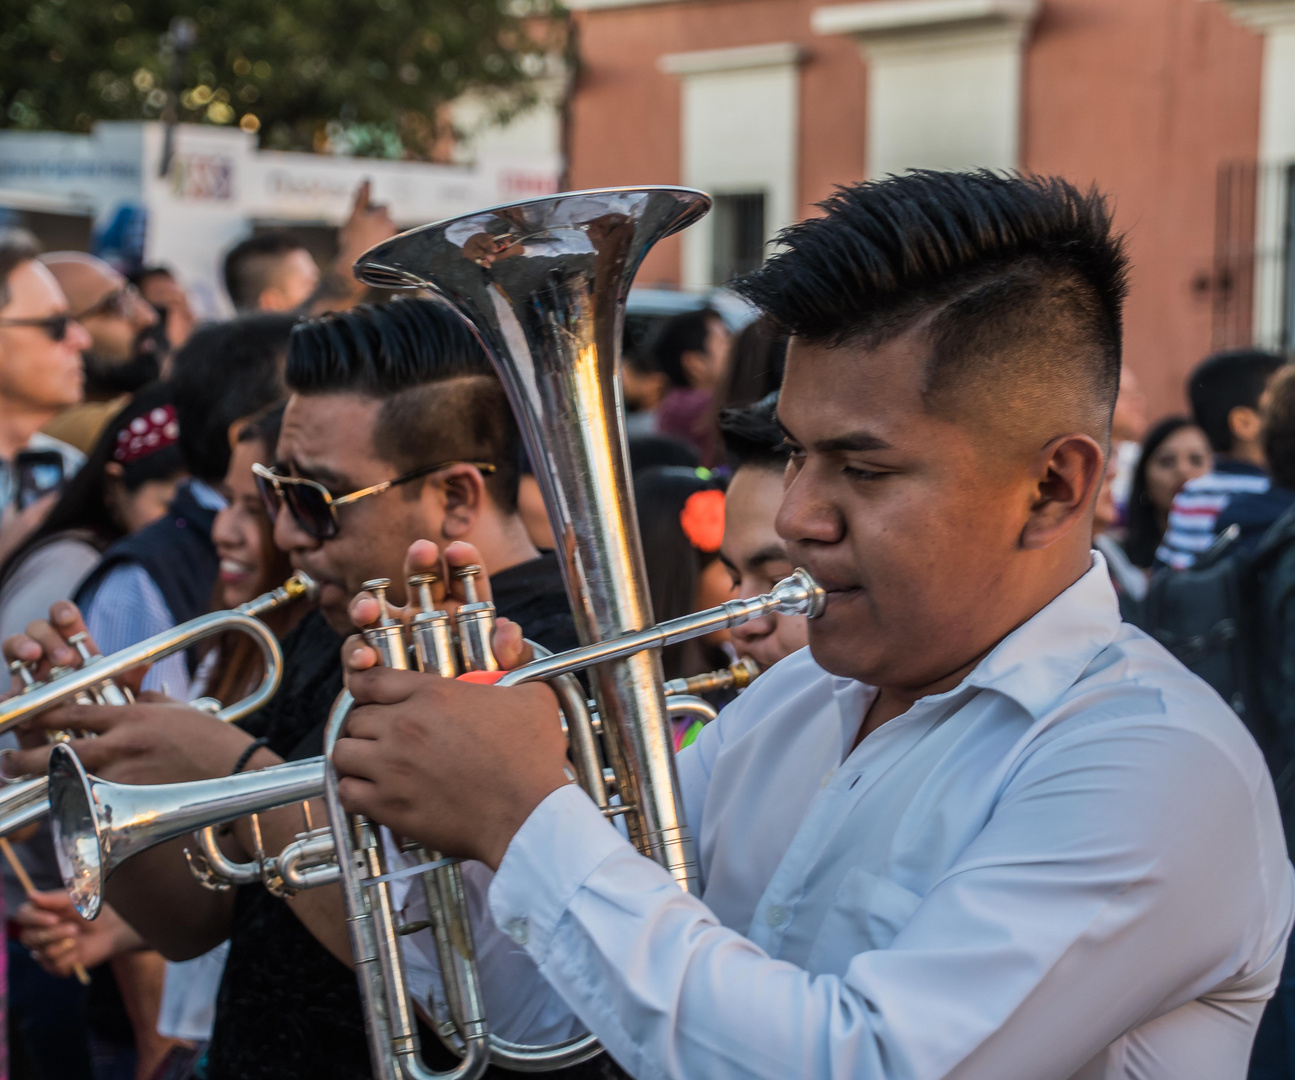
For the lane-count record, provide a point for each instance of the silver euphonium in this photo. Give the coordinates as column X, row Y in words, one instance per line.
column 94, row 682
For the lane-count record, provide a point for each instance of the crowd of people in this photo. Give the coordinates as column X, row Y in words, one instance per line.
column 153, row 469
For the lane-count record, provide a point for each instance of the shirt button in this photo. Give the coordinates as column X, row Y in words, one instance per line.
column 519, row 930
column 776, row 915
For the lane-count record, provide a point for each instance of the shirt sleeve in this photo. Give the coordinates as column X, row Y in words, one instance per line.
column 127, row 608
column 1105, row 890
column 521, row 1004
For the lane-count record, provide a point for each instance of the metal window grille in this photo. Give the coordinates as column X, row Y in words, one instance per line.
column 737, row 236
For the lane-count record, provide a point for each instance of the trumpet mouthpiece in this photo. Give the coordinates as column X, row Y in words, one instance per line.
column 300, row 585
column 800, row 594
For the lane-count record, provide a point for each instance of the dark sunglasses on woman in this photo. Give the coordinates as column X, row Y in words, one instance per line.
column 314, row 507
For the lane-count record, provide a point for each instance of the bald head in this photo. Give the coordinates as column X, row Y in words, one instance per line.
column 84, row 279
column 127, row 347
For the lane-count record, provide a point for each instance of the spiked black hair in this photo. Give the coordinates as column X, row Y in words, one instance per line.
column 989, row 258
column 752, row 435
column 441, row 398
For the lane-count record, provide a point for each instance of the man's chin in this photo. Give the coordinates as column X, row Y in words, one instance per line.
column 838, row 655
column 338, row 619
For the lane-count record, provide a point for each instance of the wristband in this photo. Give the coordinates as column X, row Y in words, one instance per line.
column 485, row 678
column 246, row 756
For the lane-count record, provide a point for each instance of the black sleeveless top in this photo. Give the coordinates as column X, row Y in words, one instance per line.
column 288, row 1008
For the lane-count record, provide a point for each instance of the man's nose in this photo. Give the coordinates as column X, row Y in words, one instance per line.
column 288, row 535
column 142, row 313
column 806, row 514
column 78, row 337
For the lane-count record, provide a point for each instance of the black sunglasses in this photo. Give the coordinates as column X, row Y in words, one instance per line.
column 117, row 303
column 54, row 325
column 314, row 507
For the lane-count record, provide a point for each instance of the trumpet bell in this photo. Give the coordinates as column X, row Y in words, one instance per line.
column 79, row 840
column 98, row 825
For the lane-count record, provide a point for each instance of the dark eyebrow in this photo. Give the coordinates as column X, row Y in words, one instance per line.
column 772, row 553
column 858, row 440
column 320, row 473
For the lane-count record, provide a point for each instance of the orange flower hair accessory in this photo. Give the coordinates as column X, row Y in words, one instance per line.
column 702, row 519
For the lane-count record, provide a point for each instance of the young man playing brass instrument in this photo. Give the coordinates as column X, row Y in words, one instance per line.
column 397, row 429
column 980, row 828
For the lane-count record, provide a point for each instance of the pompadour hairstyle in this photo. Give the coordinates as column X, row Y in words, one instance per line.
column 996, row 263
column 250, row 265
column 752, row 435
column 1227, row 381
column 441, row 399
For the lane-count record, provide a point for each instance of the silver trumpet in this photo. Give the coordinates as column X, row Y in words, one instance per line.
column 130, row 818
column 25, row 801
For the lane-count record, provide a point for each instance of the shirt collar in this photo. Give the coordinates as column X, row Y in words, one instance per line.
column 1043, row 657
column 205, row 495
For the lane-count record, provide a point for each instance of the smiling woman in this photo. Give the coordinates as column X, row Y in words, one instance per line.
column 250, row 564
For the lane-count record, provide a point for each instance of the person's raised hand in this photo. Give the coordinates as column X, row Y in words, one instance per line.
column 456, row 766
column 153, row 741
column 368, row 223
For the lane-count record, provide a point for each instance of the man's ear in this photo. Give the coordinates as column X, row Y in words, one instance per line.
column 1069, row 470
column 1244, row 424
column 463, row 489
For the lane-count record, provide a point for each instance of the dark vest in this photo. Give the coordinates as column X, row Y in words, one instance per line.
column 175, row 551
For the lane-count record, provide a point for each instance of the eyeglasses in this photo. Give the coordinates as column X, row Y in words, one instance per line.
column 313, row 506
column 117, row 303
column 54, row 325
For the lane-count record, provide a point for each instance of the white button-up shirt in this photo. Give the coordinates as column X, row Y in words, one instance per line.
column 1071, row 865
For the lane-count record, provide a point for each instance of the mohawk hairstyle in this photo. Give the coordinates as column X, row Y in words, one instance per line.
column 991, row 258
column 441, row 398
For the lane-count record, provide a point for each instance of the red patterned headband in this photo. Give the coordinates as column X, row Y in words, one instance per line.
column 702, row 520
column 155, row 430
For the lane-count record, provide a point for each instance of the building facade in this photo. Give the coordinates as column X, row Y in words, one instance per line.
column 1182, row 110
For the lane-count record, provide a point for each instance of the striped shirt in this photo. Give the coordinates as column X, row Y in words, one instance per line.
column 1196, row 509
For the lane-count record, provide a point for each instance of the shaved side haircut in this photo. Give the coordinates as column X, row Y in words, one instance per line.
column 1019, row 283
column 441, row 399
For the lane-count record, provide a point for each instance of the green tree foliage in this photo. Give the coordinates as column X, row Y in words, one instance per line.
column 353, row 76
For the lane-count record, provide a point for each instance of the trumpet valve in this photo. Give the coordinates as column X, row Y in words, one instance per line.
column 468, row 575
column 420, row 585
column 388, row 635
column 475, row 623
column 21, row 670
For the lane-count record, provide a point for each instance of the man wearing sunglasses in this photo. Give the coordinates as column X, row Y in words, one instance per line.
column 127, row 348
column 40, row 365
column 396, row 433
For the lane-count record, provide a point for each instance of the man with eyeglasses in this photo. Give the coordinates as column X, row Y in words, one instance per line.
column 396, row 433
column 40, row 371
column 128, row 345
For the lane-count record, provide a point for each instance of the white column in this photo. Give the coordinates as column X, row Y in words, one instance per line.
column 1275, row 20
column 738, row 127
column 944, row 79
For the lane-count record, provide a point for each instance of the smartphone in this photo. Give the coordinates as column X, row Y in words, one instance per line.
column 36, row 474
